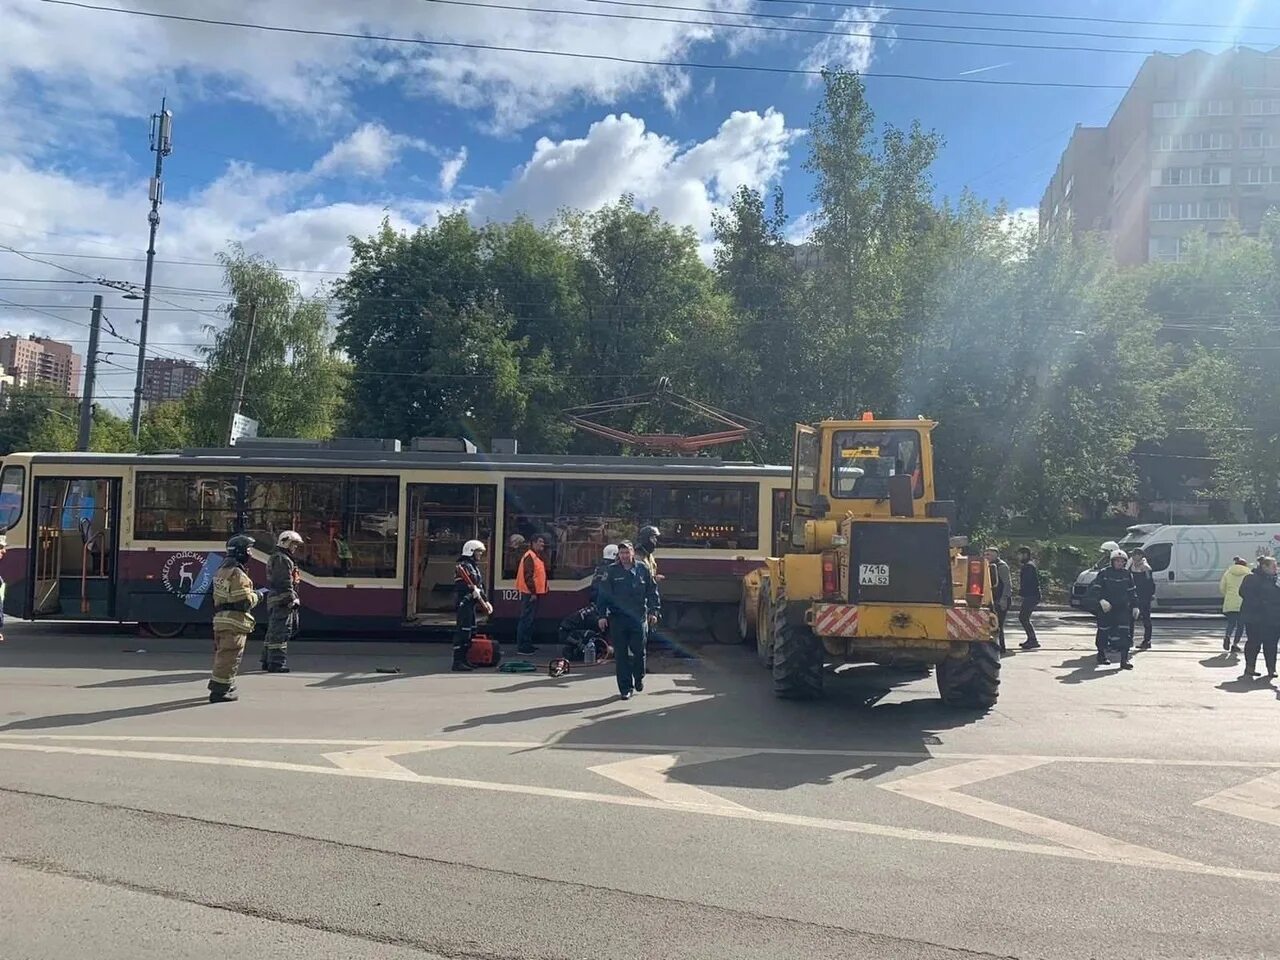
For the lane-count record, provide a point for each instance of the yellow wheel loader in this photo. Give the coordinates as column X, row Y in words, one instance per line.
column 875, row 574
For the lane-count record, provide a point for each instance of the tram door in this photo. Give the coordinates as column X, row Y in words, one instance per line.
column 442, row 517
column 76, row 541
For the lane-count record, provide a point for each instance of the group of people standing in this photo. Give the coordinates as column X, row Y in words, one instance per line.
column 1251, row 604
column 1002, row 594
column 625, row 602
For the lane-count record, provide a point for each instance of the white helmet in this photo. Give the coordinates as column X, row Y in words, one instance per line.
column 288, row 539
column 1118, row 554
column 610, row 551
column 471, row 547
column 1109, row 547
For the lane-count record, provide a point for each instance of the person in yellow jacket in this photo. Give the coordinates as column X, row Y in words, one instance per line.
column 1229, row 587
column 233, row 601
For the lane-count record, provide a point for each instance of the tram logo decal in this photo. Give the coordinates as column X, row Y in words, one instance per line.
column 190, row 575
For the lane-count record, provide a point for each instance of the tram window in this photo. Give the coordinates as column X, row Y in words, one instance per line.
column 372, row 527
column 528, row 508
column 12, row 482
column 184, row 506
column 362, row 511
column 716, row 517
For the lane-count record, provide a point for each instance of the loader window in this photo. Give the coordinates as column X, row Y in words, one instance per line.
column 806, row 468
column 863, row 461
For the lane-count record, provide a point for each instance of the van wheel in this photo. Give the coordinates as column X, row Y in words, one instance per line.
column 971, row 682
column 798, row 659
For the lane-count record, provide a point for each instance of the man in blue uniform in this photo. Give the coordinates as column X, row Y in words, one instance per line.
column 629, row 606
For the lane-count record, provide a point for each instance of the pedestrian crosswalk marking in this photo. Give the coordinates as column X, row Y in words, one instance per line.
column 1256, row 800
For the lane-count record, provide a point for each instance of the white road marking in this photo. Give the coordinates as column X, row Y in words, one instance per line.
column 377, row 758
column 725, row 812
column 650, row 775
column 938, row 787
column 711, row 750
column 1256, row 800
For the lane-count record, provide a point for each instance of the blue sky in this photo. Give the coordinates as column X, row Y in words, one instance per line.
column 289, row 143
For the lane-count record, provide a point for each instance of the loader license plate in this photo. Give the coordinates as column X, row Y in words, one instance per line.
column 873, row 574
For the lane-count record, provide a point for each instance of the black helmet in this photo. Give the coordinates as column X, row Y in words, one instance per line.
column 239, row 545
column 648, row 538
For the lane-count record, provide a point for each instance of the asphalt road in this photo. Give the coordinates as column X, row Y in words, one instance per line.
column 342, row 812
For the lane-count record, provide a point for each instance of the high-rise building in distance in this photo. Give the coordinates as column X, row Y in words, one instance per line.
column 166, row 379
column 40, row 361
column 1194, row 145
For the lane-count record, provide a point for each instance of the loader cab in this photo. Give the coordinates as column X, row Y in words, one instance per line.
column 864, row 468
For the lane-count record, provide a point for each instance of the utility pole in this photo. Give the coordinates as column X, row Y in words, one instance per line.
column 90, row 375
column 238, row 400
column 161, row 146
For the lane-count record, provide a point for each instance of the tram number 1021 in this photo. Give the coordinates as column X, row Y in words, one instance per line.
column 510, row 596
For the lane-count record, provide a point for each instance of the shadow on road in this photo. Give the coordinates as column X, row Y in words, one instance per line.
column 1221, row 660
column 530, row 713
column 151, row 680
column 82, row 719
column 1086, row 668
column 702, row 706
column 1241, row 685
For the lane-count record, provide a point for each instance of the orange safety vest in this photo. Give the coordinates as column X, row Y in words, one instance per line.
column 539, row 586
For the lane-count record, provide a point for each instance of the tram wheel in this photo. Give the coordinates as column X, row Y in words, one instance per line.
column 162, row 631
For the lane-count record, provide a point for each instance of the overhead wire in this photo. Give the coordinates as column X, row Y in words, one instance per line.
column 576, row 55
column 867, row 31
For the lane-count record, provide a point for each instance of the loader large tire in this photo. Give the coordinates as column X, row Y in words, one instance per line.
column 764, row 627
column 971, row 682
column 798, row 658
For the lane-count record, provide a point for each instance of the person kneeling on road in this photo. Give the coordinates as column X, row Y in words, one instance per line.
column 577, row 630
column 1116, row 597
column 629, row 606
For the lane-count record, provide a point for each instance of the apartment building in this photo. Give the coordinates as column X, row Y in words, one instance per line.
column 1194, row 145
column 166, row 379
column 39, row 360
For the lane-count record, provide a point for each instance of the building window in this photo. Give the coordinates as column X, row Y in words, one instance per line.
column 1203, row 140
column 1191, row 176
column 580, row 517
column 1261, row 108
column 1169, row 109
column 1259, row 175
column 1192, row 210
column 185, row 506
column 1258, row 139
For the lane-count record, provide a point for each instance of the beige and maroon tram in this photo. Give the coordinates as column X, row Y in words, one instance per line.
column 136, row 538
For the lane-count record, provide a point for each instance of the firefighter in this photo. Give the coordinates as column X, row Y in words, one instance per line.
column 282, row 603
column 469, row 598
column 233, row 601
column 531, row 584
column 629, row 606
column 1116, row 596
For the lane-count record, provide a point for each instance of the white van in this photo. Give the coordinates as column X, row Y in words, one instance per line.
column 1188, row 562
column 1133, row 537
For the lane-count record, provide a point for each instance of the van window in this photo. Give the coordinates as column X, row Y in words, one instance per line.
column 1159, row 555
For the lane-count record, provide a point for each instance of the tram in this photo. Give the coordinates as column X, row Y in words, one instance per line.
column 136, row 538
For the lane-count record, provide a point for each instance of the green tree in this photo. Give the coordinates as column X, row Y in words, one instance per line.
column 295, row 381
column 25, row 415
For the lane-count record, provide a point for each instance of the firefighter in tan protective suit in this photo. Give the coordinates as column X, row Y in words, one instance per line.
column 233, row 601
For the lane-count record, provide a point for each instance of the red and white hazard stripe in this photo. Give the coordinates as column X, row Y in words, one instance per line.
column 835, row 620
column 964, row 623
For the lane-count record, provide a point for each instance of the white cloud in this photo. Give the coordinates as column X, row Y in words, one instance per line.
column 273, row 213
column 854, row 49
column 61, row 49
column 369, row 151
column 450, row 169
column 619, row 155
